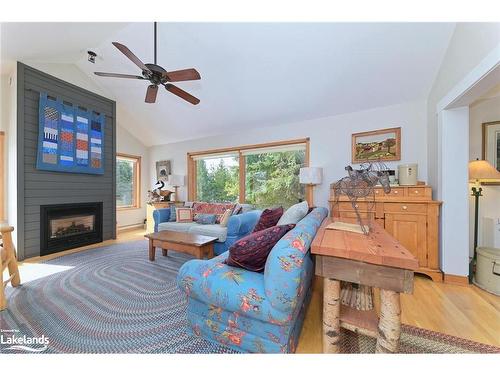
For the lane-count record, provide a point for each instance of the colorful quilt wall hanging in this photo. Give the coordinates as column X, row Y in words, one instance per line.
column 70, row 139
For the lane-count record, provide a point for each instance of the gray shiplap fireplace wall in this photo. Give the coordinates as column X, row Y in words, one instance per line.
column 38, row 187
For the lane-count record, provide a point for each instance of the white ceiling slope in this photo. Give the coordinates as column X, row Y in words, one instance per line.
column 253, row 74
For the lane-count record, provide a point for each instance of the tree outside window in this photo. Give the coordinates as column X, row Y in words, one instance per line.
column 127, row 181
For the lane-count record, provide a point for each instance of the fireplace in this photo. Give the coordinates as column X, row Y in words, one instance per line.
column 66, row 226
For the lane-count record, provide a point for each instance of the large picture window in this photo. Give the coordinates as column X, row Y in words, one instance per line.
column 128, row 181
column 263, row 175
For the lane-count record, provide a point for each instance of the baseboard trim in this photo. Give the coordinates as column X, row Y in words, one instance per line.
column 456, row 280
column 128, row 227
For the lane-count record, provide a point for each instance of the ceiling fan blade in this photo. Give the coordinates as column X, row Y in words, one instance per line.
column 182, row 75
column 124, row 49
column 117, row 75
column 151, row 94
column 182, row 94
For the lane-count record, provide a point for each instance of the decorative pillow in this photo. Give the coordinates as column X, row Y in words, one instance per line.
column 225, row 218
column 183, row 215
column 205, row 218
column 294, row 214
column 237, row 209
column 251, row 251
column 172, row 212
column 268, row 218
column 211, row 208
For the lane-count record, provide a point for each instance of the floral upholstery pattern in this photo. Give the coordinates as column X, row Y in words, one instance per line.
column 218, row 209
column 250, row 311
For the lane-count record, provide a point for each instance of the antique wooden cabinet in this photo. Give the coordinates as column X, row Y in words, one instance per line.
column 409, row 214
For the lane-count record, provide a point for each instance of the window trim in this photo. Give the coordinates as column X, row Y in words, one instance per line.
column 191, row 165
column 137, row 181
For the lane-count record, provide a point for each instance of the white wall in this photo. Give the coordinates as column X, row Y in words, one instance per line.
column 483, row 111
column 470, row 43
column 128, row 144
column 8, row 103
column 330, row 140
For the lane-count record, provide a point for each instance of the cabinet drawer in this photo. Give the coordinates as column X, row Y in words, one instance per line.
column 361, row 206
column 419, row 192
column 396, row 192
column 413, row 208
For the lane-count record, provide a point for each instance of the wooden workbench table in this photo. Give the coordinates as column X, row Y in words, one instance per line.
column 376, row 260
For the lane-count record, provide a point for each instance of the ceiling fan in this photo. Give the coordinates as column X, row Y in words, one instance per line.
column 157, row 75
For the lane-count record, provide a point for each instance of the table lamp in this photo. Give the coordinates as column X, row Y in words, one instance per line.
column 479, row 171
column 176, row 180
column 310, row 176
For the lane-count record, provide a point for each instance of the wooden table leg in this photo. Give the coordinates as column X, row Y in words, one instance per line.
column 210, row 251
column 389, row 326
column 164, row 252
column 331, row 315
column 151, row 251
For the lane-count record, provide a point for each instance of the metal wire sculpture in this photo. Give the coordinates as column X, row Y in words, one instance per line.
column 359, row 184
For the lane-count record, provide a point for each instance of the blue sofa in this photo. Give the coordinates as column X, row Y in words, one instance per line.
column 249, row 311
column 237, row 227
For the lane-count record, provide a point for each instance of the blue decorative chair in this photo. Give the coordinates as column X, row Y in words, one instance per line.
column 249, row 311
column 237, row 227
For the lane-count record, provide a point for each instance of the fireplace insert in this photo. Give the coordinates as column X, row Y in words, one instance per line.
column 66, row 226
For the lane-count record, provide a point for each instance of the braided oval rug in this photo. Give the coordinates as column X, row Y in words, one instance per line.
column 112, row 299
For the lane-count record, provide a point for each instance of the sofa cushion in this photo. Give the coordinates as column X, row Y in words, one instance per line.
column 251, row 251
column 269, row 218
column 176, row 227
column 211, row 208
column 294, row 214
column 214, row 230
column 183, row 215
column 172, row 213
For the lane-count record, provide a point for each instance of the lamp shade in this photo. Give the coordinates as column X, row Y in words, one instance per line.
column 310, row 175
column 176, row 180
column 481, row 170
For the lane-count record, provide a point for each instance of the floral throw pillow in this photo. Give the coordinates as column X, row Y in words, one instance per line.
column 268, row 218
column 251, row 251
column 206, row 218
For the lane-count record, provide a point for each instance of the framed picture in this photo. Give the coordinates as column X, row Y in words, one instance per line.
column 383, row 145
column 163, row 169
column 491, row 145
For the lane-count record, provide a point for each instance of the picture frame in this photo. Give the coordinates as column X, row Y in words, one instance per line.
column 490, row 148
column 382, row 145
column 163, row 170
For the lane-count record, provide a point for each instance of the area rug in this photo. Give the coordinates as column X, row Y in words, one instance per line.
column 112, row 299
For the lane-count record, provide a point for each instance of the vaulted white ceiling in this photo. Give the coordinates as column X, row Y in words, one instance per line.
column 253, row 74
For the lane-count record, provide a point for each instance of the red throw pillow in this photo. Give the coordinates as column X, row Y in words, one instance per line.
column 269, row 218
column 251, row 251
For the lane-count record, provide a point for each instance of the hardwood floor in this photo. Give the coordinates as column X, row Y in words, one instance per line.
column 464, row 311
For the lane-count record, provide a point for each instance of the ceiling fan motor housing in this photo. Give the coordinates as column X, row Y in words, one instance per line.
column 157, row 76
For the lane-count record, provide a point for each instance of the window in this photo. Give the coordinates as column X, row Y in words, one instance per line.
column 217, row 179
column 263, row 175
column 128, row 181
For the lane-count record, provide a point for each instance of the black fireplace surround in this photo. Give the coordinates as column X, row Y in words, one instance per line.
column 66, row 226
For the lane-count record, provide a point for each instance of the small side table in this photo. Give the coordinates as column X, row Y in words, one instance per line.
column 376, row 260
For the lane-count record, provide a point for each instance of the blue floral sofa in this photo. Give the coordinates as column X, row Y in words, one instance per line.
column 249, row 311
column 238, row 226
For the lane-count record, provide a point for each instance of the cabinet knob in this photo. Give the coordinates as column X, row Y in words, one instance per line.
column 405, row 207
column 357, row 206
column 416, row 191
column 395, row 191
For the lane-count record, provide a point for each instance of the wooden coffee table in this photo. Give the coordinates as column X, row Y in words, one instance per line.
column 189, row 243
